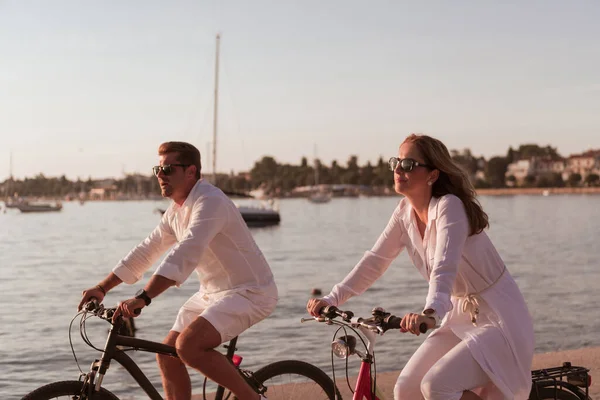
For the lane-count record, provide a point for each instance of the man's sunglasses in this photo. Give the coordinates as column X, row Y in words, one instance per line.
column 406, row 164
column 167, row 169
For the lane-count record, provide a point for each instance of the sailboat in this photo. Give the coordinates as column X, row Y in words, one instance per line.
column 23, row 205
column 265, row 213
column 318, row 195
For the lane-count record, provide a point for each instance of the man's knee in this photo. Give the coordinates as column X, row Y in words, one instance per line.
column 169, row 340
column 406, row 388
column 197, row 338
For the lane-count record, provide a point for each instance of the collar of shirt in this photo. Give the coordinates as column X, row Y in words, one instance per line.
column 198, row 190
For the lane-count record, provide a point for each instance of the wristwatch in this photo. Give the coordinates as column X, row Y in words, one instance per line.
column 141, row 294
column 432, row 314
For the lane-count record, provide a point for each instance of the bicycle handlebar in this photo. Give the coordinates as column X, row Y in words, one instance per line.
column 380, row 322
column 101, row 312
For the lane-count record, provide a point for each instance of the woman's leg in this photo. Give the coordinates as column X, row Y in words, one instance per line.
column 453, row 376
column 408, row 386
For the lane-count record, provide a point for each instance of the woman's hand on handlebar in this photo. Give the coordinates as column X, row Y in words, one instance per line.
column 89, row 294
column 127, row 308
column 315, row 305
column 411, row 323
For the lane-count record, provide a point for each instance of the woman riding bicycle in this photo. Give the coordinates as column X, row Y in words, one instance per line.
column 483, row 347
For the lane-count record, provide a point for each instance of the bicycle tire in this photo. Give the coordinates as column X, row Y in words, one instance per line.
column 66, row 388
column 316, row 380
column 549, row 393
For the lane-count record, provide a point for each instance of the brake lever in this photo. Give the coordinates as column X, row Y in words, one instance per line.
column 318, row 319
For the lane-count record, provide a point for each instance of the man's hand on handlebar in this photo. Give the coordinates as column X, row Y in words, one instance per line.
column 89, row 294
column 128, row 308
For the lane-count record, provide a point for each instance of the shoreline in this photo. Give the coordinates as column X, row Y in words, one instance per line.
column 537, row 191
column 588, row 357
column 534, row 191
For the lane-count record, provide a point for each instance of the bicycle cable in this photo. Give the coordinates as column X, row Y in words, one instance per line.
column 373, row 369
column 71, row 341
column 83, row 333
column 374, row 375
column 345, row 326
column 342, row 326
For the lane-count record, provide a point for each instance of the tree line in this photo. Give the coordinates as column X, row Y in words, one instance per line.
column 282, row 178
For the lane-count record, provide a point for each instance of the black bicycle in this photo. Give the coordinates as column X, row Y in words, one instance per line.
column 289, row 379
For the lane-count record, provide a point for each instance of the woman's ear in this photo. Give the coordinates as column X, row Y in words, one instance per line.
column 435, row 174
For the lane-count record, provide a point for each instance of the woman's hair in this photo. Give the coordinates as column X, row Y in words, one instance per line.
column 452, row 179
column 186, row 154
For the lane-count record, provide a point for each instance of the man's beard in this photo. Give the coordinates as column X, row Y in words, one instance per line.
column 166, row 191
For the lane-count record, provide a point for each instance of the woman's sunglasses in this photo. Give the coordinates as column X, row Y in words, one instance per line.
column 167, row 169
column 406, row 164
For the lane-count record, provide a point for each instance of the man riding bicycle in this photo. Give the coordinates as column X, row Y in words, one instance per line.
column 209, row 235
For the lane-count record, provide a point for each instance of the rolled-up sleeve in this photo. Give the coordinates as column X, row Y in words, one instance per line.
column 132, row 267
column 452, row 227
column 372, row 265
column 209, row 216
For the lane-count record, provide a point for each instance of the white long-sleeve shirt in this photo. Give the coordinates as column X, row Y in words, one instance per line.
column 209, row 236
column 456, row 265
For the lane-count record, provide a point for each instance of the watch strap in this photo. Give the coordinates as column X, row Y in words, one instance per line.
column 144, row 296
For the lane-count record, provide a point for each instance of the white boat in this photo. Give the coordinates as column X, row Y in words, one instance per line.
column 320, row 197
column 255, row 215
column 259, row 215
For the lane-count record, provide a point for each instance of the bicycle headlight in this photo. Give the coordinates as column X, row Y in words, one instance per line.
column 344, row 346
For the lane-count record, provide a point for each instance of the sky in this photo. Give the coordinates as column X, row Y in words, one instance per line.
column 90, row 89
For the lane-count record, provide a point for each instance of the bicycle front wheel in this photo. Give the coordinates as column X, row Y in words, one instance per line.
column 292, row 379
column 67, row 390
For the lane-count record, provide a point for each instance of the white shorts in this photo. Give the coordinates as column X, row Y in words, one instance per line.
column 230, row 314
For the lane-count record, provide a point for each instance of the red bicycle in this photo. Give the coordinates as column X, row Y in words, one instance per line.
column 566, row 382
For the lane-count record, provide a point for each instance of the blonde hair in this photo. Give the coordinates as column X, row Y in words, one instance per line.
column 452, row 179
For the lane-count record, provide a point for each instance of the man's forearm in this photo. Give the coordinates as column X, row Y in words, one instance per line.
column 110, row 282
column 158, row 284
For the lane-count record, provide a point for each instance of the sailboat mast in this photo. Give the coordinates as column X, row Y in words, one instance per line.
column 316, row 165
column 216, row 105
column 9, row 186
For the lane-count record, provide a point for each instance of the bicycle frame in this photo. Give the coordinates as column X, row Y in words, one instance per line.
column 365, row 387
column 112, row 352
column 363, row 384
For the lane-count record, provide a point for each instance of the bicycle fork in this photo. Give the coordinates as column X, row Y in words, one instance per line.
column 99, row 367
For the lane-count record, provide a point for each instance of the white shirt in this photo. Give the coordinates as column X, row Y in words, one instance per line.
column 209, row 236
column 455, row 265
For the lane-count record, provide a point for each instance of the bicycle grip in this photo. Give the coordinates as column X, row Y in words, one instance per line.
column 394, row 323
column 137, row 311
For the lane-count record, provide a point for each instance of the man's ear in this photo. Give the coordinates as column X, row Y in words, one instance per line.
column 191, row 171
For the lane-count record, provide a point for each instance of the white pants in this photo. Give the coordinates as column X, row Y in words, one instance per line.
column 442, row 368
